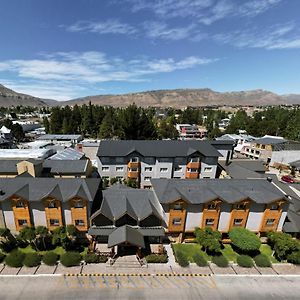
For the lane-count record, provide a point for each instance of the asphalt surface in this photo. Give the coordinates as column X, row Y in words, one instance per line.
column 150, row 287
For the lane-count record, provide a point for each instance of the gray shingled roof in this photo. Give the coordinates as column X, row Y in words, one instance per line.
column 66, row 166
column 8, row 166
column 139, row 204
column 205, row 190
column 156, row 148
column 35, row 189
column 126, row 234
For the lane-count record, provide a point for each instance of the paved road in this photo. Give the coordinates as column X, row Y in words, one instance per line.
column 149, row 287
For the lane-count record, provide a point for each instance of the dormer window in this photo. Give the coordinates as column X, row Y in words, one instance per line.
column 212, row 206
column 134, row 159
column 20, row 204
column 51, row 205
column 78, row 204
column 274, row 207
column 240, row 206
column 177, row 206
column 194, row 159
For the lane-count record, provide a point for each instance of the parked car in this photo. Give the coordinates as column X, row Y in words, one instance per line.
column 289, row 179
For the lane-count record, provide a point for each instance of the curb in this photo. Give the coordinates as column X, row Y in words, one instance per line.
column 133, row 274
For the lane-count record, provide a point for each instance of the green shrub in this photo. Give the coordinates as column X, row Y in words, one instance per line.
column 2, row 256
column 15, row 259
column 157, row 258
column 199, row 260
column 31, row 259
column 244, row 261
column 262, row 260
column 50, row 258
column 92, row 258
column 181, row 259
column 244, row 240
column 294, row 258
column 70, row 259
column 220, row 260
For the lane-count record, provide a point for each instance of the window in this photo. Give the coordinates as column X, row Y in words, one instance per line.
column 78, row 204
column 177, row 206
column 79, row 222
column 240, row 206
column 20, row 204
column 119, row 169
column 134, row 159
column 147, row 178
column 148, row 169
column 194, row 159
column 237, row 222
column 105, row 169
column 192, row 170
column 54, row 222
column 270, row 222
column 274, row 207
column 163, row 170
column 212, row 206
column 209, row 222
column 207, row 169
column 51, row 205
column 133, row 170
column 177, row 169
column 176, row 221
column 263, row 146
column 22, row 222
column 119, row 160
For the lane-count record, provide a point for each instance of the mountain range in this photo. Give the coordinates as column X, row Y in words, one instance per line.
column 178, row 98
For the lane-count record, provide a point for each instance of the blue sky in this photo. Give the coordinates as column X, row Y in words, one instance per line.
column 63, row 49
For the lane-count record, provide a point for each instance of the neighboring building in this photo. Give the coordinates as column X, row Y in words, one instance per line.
column 46, row 168
column 225, row 147
column 241, row 140
column 127, row 219
column 262, row 148
column 224, row 124
column 50, row 202
column 285, row 154
column 142, row 160
column 23, row 154
column 255, row 204
column 68, row 154
column 5, row 133
column 89, row 148
column 66, row 140
column 191, row 132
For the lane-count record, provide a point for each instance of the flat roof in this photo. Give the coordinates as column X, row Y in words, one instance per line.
column 25, row 153
column 62, row 137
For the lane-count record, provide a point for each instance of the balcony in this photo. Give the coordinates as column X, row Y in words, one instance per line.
column 193, row 165
column 133, row 174
column 134, row 165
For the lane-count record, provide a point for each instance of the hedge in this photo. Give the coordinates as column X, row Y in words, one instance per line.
column 2, row 257
column 15, row 259
column 294, row 258
column 181, row 259
column 199, row 260
column 157, row 258
column 92, row 258
column 244, row 239
column 70, row 259
column 32, row 259
column 220, row 260
column 245, row 261
column 50, row 258
column 262, row 260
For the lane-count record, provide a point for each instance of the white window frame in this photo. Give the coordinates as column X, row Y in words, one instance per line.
column 119, row 169
column 147, row 178
column 78, row 223
column 195, row 159
column 163, row 170
column 105, row 169
column 237, row 223
column 270, row 224
column 54, row 223
column 208, row 222
column 135, row 159
column 148, row 169
column 176, row 221
column 208, row 169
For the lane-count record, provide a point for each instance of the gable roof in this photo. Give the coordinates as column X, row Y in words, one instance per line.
column 205, row 190
column 35, row 189
column 156, row 148
column 66, row 166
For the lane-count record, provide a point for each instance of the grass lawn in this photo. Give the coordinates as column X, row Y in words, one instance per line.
column 266, row 249
column 229, row 253
column 189, row 250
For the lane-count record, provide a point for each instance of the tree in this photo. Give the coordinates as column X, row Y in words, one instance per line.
column 209, row 239
column 244, row 240
column 17, row 132
column 46, row 124
column 27, row 234
column 167, row 130
column 7, row 240
column 42, row 234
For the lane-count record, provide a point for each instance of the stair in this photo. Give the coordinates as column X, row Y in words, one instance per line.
column 128, row 261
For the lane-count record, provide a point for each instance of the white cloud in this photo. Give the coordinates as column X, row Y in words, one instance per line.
column 63, row 75
column 106, row 27
column 279, row 36
column 204, row 11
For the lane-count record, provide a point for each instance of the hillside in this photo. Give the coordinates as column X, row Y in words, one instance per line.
column 10, row 98
column 161, row 98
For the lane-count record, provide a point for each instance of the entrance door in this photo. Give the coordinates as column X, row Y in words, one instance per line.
column 127, row 250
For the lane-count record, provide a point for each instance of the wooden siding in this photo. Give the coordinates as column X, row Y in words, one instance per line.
column 79, row 213
column 239, row 214
column 211, row 214
column 53, row 213
column 20, row 213
column 175, row 213
column 271, row 214
column 192, row 175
